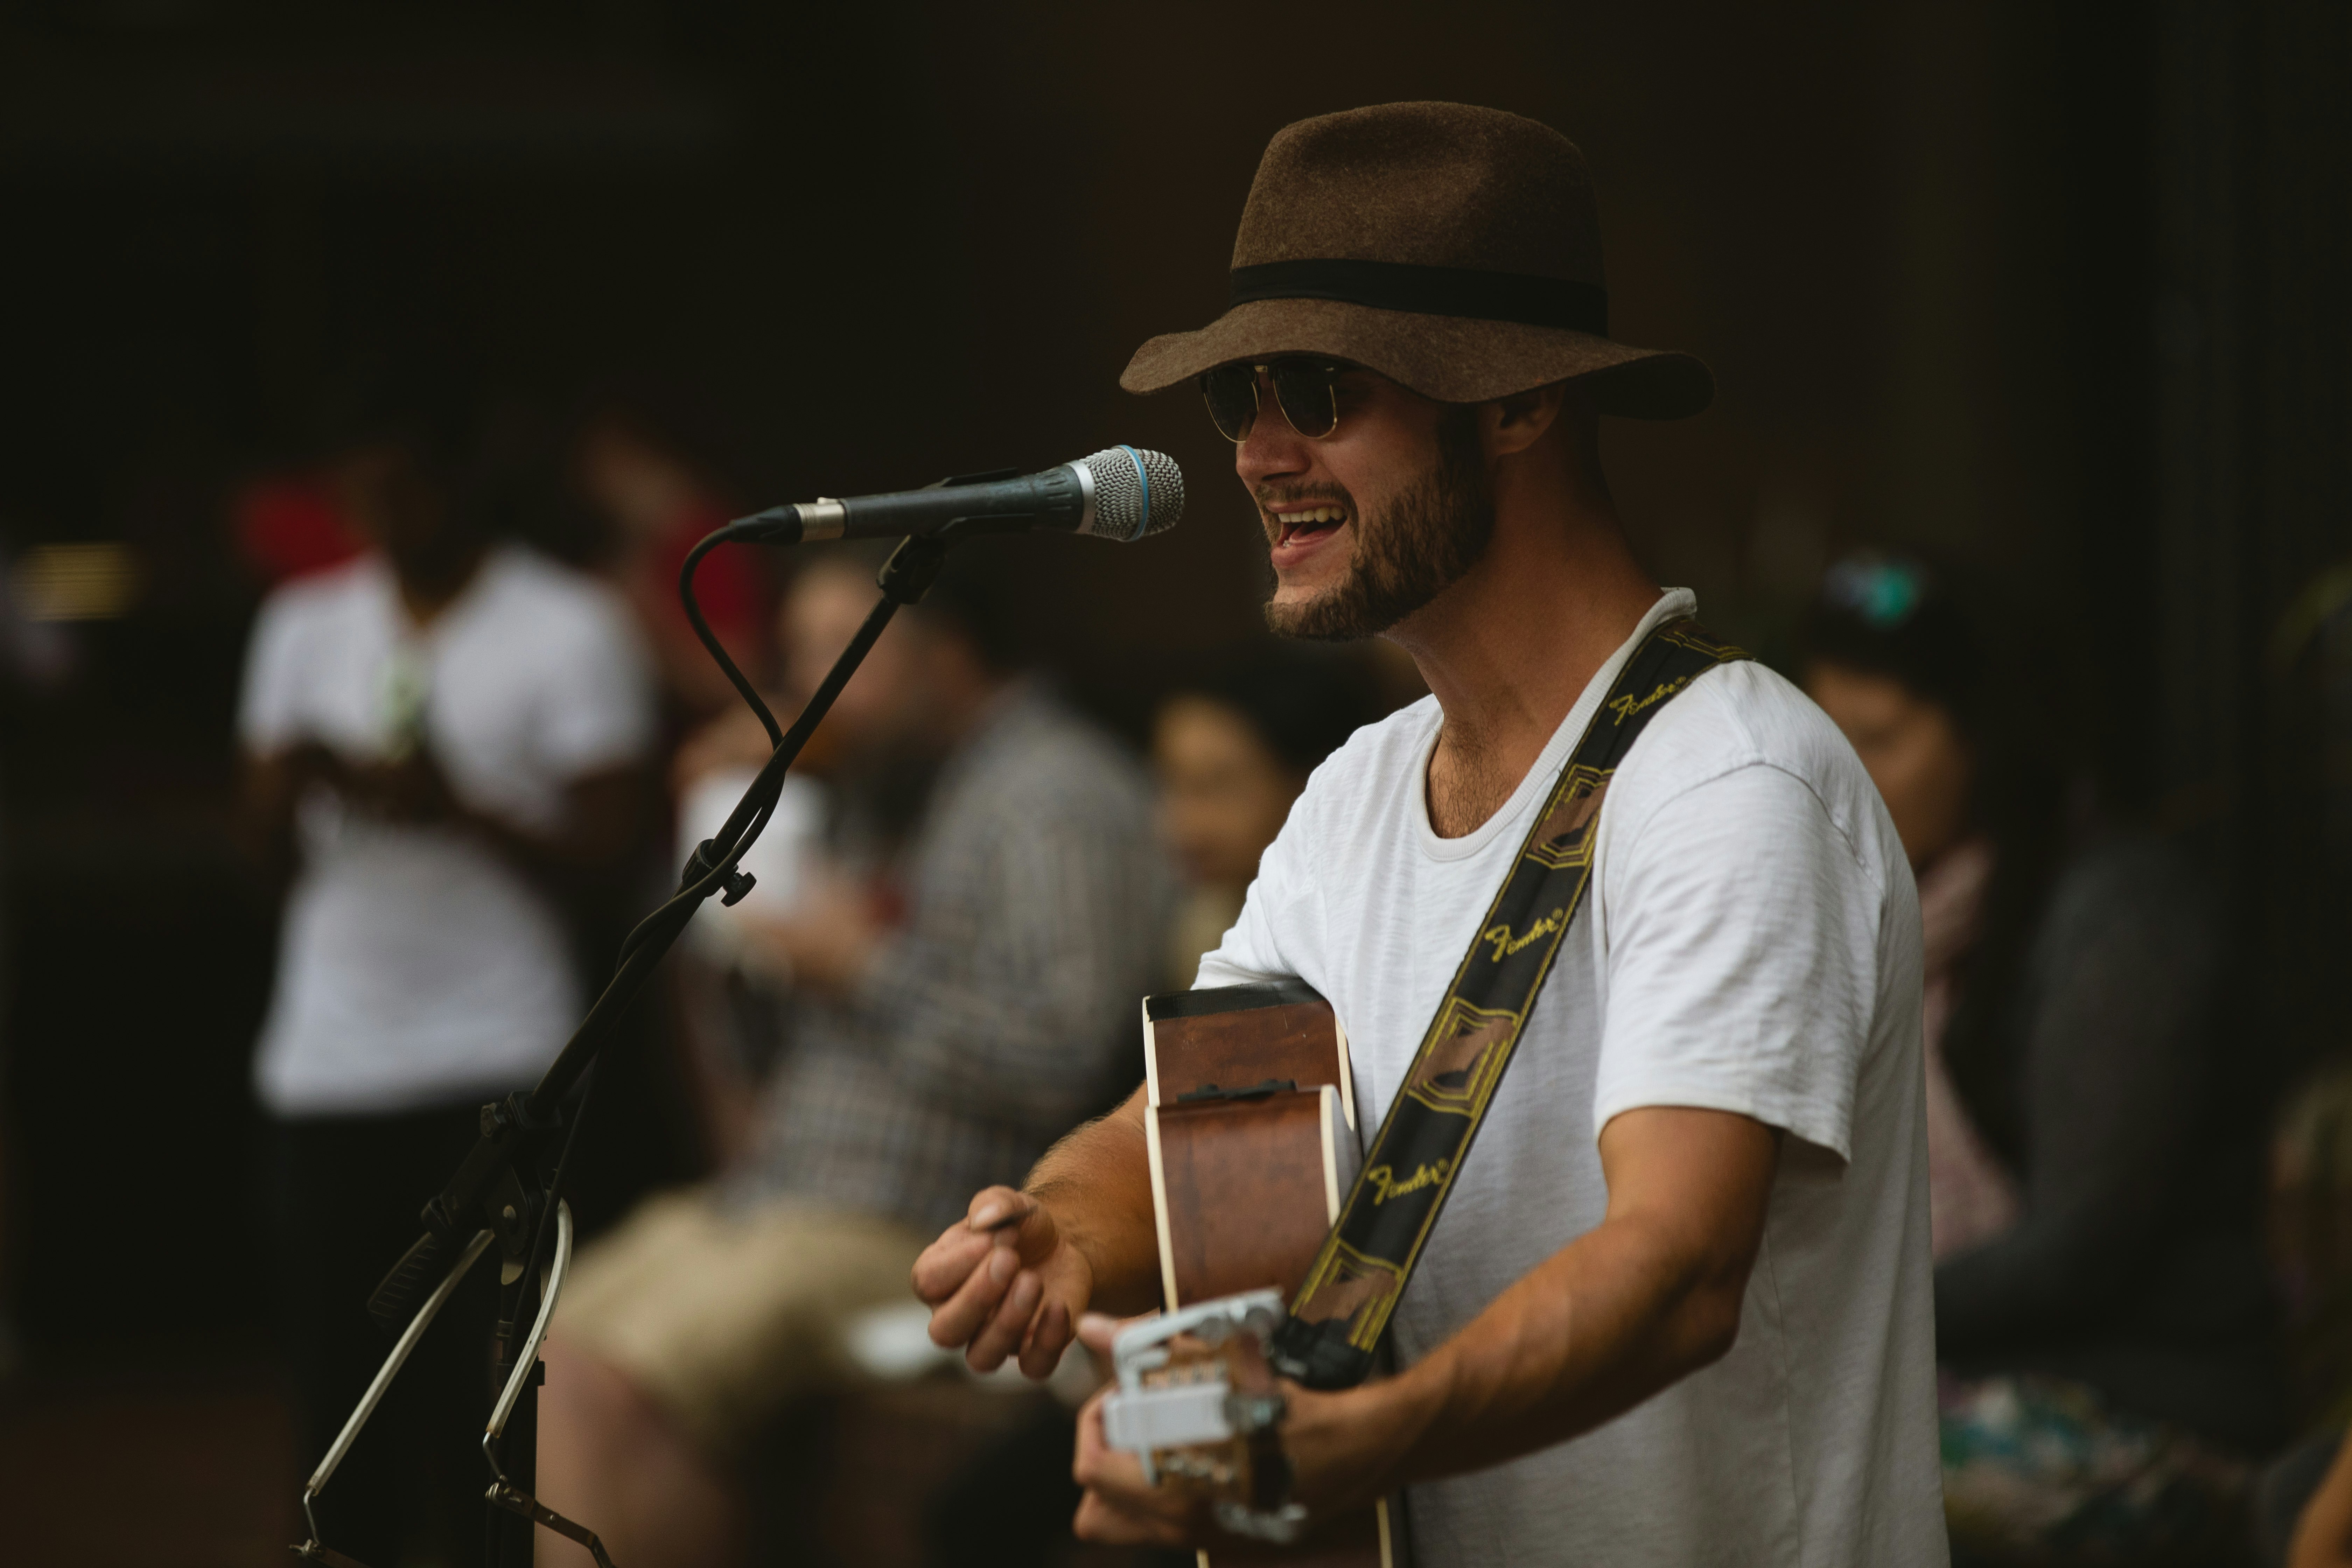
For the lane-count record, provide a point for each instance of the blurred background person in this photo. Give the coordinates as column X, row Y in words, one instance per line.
column 2102, row 1312
column 2320, row 1530
column 2303, row 1500
column 964, row 974
column 1231, row 753
column 640, row 466
column 444, row 747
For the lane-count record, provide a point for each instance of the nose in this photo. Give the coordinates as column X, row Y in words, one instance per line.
column 1274, row 451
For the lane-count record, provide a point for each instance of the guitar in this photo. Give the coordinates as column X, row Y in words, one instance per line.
column 1250, row 1125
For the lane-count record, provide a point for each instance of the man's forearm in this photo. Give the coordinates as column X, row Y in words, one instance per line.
column 1648, row 1297
column 1591, row 1332
column 1096, row 1184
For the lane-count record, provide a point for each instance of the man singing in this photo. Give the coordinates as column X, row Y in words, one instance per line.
column 1677, row 1309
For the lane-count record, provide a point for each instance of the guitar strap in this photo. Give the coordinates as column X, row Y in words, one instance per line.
column 1341, row 1309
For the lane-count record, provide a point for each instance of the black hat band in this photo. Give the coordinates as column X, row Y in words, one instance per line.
column 1431, row 292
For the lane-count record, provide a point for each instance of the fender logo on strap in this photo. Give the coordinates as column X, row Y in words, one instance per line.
column 1507, row 944
column 1627, row 706
column 1383, row 1178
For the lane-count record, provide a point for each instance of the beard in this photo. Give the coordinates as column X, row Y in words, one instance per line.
column 1420, row 544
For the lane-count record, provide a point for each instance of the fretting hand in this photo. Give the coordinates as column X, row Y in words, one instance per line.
column 1341, row 1448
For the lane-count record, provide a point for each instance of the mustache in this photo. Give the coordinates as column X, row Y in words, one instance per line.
column 1270, row 495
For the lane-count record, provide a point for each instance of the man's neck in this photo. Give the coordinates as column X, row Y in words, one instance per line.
column 1510, row 649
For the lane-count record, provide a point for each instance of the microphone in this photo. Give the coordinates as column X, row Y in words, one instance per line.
column 1120, row 493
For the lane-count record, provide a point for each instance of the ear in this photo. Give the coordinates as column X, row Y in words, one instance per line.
column 1513, row 424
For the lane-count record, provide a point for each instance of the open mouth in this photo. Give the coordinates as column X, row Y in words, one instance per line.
column 1302, row 525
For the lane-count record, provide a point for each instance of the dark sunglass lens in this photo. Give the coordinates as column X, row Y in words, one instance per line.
column 1305, row 389
column 1231, row 391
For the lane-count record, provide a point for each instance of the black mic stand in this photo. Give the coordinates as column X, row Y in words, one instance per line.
column 498, row 1200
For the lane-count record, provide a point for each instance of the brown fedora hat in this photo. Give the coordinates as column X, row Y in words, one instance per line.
column 1451, row 249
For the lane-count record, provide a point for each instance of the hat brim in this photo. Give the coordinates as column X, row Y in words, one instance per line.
column 1453, row 359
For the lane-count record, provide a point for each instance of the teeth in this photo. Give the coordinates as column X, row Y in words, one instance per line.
column 1314, row 514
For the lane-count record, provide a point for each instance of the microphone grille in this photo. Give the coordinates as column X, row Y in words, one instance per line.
column 1136, row 493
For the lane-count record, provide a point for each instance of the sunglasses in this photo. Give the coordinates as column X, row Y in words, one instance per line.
column 1306, row 390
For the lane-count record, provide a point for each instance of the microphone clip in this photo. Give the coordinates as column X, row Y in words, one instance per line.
column 734, row 886
column 912, row 568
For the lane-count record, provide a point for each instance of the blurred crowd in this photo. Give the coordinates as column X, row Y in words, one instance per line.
column 469, row 763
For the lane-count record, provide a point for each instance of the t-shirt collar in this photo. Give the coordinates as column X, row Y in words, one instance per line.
column 1671, row 603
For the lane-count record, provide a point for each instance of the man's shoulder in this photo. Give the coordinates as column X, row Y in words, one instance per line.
column 1742, row 715
column 1369, row 766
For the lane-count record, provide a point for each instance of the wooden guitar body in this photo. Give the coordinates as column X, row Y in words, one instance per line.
column 1250, row 1122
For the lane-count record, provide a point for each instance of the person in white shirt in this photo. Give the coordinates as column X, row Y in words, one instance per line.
column 1678, row 1309
column 446, row 743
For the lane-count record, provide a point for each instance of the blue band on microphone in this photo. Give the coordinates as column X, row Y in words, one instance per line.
column 1145, row 481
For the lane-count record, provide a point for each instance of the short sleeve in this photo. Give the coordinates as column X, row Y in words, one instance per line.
column 1741, row 963
column 599, row 713
column 269, row 711
column 1250, row 952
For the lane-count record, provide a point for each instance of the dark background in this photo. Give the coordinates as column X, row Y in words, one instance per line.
column 2058, row 287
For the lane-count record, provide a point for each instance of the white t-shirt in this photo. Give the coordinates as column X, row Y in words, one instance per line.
column 1750, row 942
column 418, row 964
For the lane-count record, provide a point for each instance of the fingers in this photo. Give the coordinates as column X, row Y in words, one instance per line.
column 1049, row 1336
column 960, row 1276
column 991, row 1206
column 1118, row 1507
column 1004, row 1211
column 962, row 1316
column 947, row 1263
column 1097, row 1330
column 1008, row 1325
